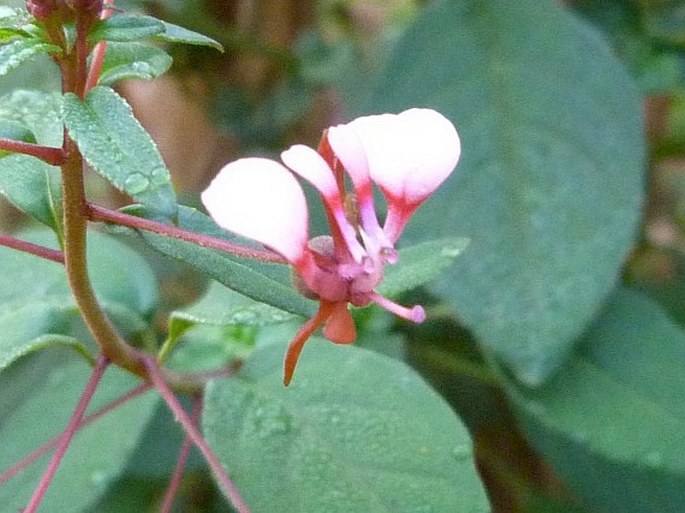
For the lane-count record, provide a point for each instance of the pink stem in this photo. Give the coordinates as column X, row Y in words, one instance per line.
column 98, row 213
column 33, row 249
column 98, row 54
column 52, row 156
column 51, row 444
column 67, row 435
column 193, row 433
column 175, row 482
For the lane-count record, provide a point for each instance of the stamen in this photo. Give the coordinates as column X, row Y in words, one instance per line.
column 414, row 314
column 312, row 167
column 351, row 152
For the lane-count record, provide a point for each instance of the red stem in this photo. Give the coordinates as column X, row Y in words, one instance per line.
column 33, row 249
column 175, row 482
column 67, row 435
column 98, row 54
column 51, row 444
column 49, row 155
column 193, row 433
column 98, row 213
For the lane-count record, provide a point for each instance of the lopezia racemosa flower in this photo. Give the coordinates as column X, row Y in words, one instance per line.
column 407, row 155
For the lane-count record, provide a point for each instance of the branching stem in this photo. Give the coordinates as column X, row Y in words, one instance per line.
column 75, row 260
column 31, row 248
column 49, row 155
column 193, row 433
column 51, row 444
column 98, row 213
column 67, row 435
column 175, row 482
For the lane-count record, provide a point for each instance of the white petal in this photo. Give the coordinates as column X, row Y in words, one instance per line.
column 260, row 199
column 409, row 154
column 348, row 148
column 312, row 167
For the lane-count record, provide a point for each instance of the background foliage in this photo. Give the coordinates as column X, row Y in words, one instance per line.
column 555, row 336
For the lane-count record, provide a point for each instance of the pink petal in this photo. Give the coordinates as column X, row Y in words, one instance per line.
column 260, row 199
column 409, row 154
column 312, row 167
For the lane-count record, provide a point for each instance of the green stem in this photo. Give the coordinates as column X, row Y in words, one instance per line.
column 75, row 261
column 75, row 219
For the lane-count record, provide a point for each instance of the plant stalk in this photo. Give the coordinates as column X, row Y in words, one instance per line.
column 67, row 435
column 194, row 434
column 49, row 155
column 98, row 213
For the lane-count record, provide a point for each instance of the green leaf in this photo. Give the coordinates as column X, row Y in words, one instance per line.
column 158, row 448
column 34, row 187
column 16, row 132
column 16, row 23
column 119, row 275
column 119, row 148
column 266, row 283
column 356, row 431
column 223, row 307
column 175, row 34
column 38, row 111
column 133, row 60
column 18, row 51
column 13, row 17
column 656, row 67
column 125, row 28
column 612, row 422
column 34, row 326
column 37, row 396
column 219, row 308
column 550, row 184
column 420, row 264
column 207, row 348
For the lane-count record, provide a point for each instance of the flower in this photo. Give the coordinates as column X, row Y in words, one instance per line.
column 407, row 155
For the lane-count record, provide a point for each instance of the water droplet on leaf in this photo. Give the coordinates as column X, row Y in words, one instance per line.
column 159, row 176
column 462, row 452
column 136, row 183
column 654, row 459
column 99, row 479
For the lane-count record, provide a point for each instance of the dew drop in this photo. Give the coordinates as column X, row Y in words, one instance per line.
column 272, row 421
column 654, row 459
column 136, row 183
column 462, row 452
column 453, row 250
column 99, row 479
column 159, row 176
column 580, row 438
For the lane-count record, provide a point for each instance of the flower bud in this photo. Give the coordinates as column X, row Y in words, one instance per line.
column 86, row 6
column 42, row 9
